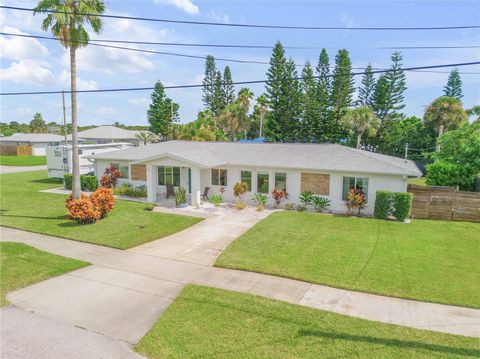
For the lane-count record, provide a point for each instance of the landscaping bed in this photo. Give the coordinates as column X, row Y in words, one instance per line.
column 22, row 160
column 22, row 265
column 435, row 261
column 129, row 224
column 204, row 322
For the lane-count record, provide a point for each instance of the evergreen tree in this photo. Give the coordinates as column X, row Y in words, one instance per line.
column 388, row 94
column 341, row 95
column 321, row 127
column 162, row 113
column 218, row 99
column 309, row 104
column 209, row 82
column 453, row 88
column 228, row 91
column 365, row 93
column 38, row 125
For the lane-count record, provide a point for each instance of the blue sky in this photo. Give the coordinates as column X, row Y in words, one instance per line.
column 35, row 65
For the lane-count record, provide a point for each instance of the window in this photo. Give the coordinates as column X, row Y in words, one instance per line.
column 123, row 168
column 281, row 181
column 219, row 177
column 262, row 182
column 246, row 176
column 354, row 182
column 169, row 175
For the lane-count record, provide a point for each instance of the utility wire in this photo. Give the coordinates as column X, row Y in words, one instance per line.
column 234, row 83
column 262, row 26
column 181, row 54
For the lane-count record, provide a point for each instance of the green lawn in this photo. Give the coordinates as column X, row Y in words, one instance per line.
column 22, row 160
column 436, row 261
column 22, row 265
column 212, row 323
column 128, row 225
column 421, row 181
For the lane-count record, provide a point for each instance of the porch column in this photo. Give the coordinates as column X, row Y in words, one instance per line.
column 196, row 186
column 152, row 183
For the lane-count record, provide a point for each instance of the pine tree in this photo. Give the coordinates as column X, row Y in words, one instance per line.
column 218, row 99
column 366, row 91
column 209, row 82
column 292, row 98
column 228, row 91
column 388, row 94
column 453, row 88
column 310, row 105
column 324, row 85
column 162, row 113
column 341, row 95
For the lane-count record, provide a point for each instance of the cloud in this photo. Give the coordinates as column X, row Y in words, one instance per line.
column 27, row 72
column 218, row 16
column 185, row 5
column 140, row 102
column 19, row 48
column 82, row 84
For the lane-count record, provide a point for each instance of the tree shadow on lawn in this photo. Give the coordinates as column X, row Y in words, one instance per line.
column 48, row 181
column 64, row 216
column 391, row 342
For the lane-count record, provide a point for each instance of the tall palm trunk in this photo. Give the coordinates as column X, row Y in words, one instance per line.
column 440, row 133
column 261, row 125
column 359, row 140
column 75, row 165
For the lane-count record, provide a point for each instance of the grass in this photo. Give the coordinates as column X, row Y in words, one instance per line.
column 434, row 261
column 213, row 323
column 421, row 181
column 23, row 265
column 129, row 224
column 22, row 160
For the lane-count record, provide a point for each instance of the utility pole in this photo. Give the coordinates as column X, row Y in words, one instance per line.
column 406, row 151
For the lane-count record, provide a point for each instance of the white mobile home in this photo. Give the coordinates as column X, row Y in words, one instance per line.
column 327, row 170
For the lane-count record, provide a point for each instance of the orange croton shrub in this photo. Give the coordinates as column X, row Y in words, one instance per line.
column 104, row 200
column 82, row 210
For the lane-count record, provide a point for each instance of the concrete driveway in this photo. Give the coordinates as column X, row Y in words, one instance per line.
column 15, row 169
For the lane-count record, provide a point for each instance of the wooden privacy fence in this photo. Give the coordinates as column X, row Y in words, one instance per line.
column 15, row 150
column 445, row 203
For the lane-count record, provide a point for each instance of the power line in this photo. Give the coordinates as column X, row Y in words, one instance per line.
column 234, row 83
column 262, row 26
column 181, row 54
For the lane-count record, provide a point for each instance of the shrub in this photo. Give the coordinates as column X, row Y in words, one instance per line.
column 289, row 206
column 180, row 196
column 402, row 204
column 123, row 189
column 239, row 190
column 261, row 200
column 67, row 180
column 278, row 197
column 216, row 200
column 103, row 200
column 240, row 205
column 442, row 173
column 87, row 183
column 320, row 203
column 383, row 204
column 110, row 177
column 306, row 198
column 301, row 207
column 356, row 201
column 82, row 210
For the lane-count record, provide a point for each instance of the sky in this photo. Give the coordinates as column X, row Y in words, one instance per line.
column 37, row 65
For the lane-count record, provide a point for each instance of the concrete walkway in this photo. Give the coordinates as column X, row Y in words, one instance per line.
column 124, row 292
column 15, row 169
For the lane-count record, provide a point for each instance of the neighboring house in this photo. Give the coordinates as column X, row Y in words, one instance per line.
column 38, row 142
column 109, row 134
column 328, row 170
column 59, row 158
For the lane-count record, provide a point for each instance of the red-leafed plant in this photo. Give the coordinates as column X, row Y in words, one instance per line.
column 110, row 177
column 104, row 200
column 82, row 210
column 278, row 196
column 355, row 202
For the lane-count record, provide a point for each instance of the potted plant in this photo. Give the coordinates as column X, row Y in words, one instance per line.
column 320, row 203
column 261, row 200
column 278, row 196
column 181, row 197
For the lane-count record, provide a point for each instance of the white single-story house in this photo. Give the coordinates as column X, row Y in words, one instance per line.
column 109, row 134
column 38, row 141
column 328, row 170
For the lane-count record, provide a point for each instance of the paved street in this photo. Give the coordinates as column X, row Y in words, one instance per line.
column 15, row 169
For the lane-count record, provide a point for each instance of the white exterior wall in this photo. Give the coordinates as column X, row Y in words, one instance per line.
column 39, row 149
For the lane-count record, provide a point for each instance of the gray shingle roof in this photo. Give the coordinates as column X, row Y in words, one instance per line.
column 108, row 132
column 327, row 157
column 33, row 137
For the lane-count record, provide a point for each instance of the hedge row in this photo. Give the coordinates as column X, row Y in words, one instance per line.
column 397, row 204
column 87, row 183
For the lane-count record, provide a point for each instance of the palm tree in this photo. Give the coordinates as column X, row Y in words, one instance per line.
column 244, row 98
column 66, row 19
column 445, row 113
column 233, row 120
column 262, row 110
column 475, row 112
column 361, row 120
column 146, row 137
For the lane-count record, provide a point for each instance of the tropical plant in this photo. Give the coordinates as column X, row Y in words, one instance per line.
column 289, row 206
column 233, row 120
column 361, row 120
column 475, row 112
column 146, row 137
column 306, row 198
column 278, row 197
column 320, row 203
column 444, row 113
column 262, row 105
column 239, row 190
column 261, row 200
column 355, row 202
column 38, row 125
column 103, row 200
column 180, row 196
column 301, row 207
column 66, row 19
column 216, row 200
column 110, row 176
column 82, row 209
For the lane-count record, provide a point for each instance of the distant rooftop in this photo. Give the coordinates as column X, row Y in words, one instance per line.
column 108, row 132
column 35, row 137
